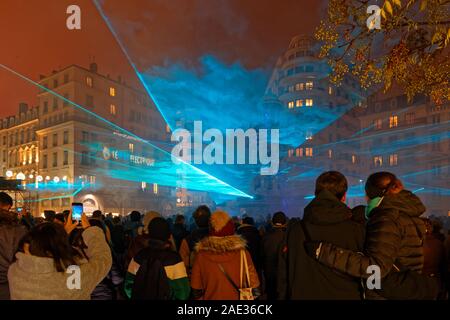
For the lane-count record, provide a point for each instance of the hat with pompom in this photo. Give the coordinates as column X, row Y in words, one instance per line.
column 221, row 225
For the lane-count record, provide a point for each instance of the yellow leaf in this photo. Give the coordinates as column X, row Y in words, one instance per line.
column 398, row 3
column 436, row 37
column 423, row 5
column 388, row 6
column 383, row 13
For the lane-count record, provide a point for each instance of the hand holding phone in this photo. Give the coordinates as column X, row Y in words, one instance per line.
column 77, row 211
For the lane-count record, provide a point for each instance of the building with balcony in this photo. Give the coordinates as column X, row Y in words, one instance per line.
column 75, row 145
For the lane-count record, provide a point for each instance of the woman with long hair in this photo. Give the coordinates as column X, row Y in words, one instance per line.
column 49, row 268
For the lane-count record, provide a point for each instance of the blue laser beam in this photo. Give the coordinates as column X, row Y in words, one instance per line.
column 130, row 61
column 221, row 183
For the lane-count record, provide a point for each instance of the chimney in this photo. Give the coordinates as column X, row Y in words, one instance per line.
column 23, row 107
column 93, row 67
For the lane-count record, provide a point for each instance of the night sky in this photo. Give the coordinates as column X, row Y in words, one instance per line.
column 35, row 39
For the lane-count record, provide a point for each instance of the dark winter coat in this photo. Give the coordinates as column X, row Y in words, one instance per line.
column 395, row 235
column 325, row 217
column 435, row 260
column 157, row 273
column 188, row 244
column 11, row 232
column 179, row 233
column 253, row 238
column 271, row 244
column 394, row 242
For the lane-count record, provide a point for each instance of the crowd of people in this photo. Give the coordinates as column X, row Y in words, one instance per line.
column 330, row 253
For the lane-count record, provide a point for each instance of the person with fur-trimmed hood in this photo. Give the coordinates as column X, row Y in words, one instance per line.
column 216, row 269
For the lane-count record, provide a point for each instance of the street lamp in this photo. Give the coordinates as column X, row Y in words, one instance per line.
column 20, row 176
column 39, row 178
column 9, row 174
column 56, row 179
column 47, row 178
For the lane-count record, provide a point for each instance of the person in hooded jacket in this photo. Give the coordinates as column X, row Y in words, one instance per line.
column 271, row 244
column 325, row 217
column 157, row 272
column 201, row 217
column 216, row 271
column 394, row 243
column 251, row 234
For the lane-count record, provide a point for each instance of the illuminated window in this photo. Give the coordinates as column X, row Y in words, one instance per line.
column 393, row 158
column 299, row 152
column 299, row 87
column 353, row 159
column 377, row 124
column 92, row 180
column 309, row 85
column 144, row 185
column 112, row 109
column 309, row 102
column 378, row 161
column 330, row 153
column 89, row 82
column 330, row 90
column 131, row 147
column 291, row 88
column 291, row 104
column 112, row 91
column 299, row 103
column 290, row 153
column 309, row 152
column 393, row 121
column 155, row 188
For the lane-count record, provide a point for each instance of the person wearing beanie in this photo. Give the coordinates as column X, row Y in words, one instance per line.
column 394, row 242
column 157, row 272
column 201, row 217
column 217, row 267
column 251, row 235
column 141, row 241
column 271, row 245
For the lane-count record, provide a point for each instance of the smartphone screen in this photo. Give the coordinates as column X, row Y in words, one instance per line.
column 77, row 211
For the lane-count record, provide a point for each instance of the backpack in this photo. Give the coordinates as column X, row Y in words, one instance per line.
column 151, row 282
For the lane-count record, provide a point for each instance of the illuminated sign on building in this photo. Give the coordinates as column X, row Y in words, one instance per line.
column 115, row 155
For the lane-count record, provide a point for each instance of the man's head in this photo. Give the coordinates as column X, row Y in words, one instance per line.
column 49, row 215
column 333, row 181
column 382, row 183
column 97, row 214
column 6, row 202
column 159, row 229
column 135, row 216
column 279, row 219
column 179, row 219
column 249, row 221
column 201, row 216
